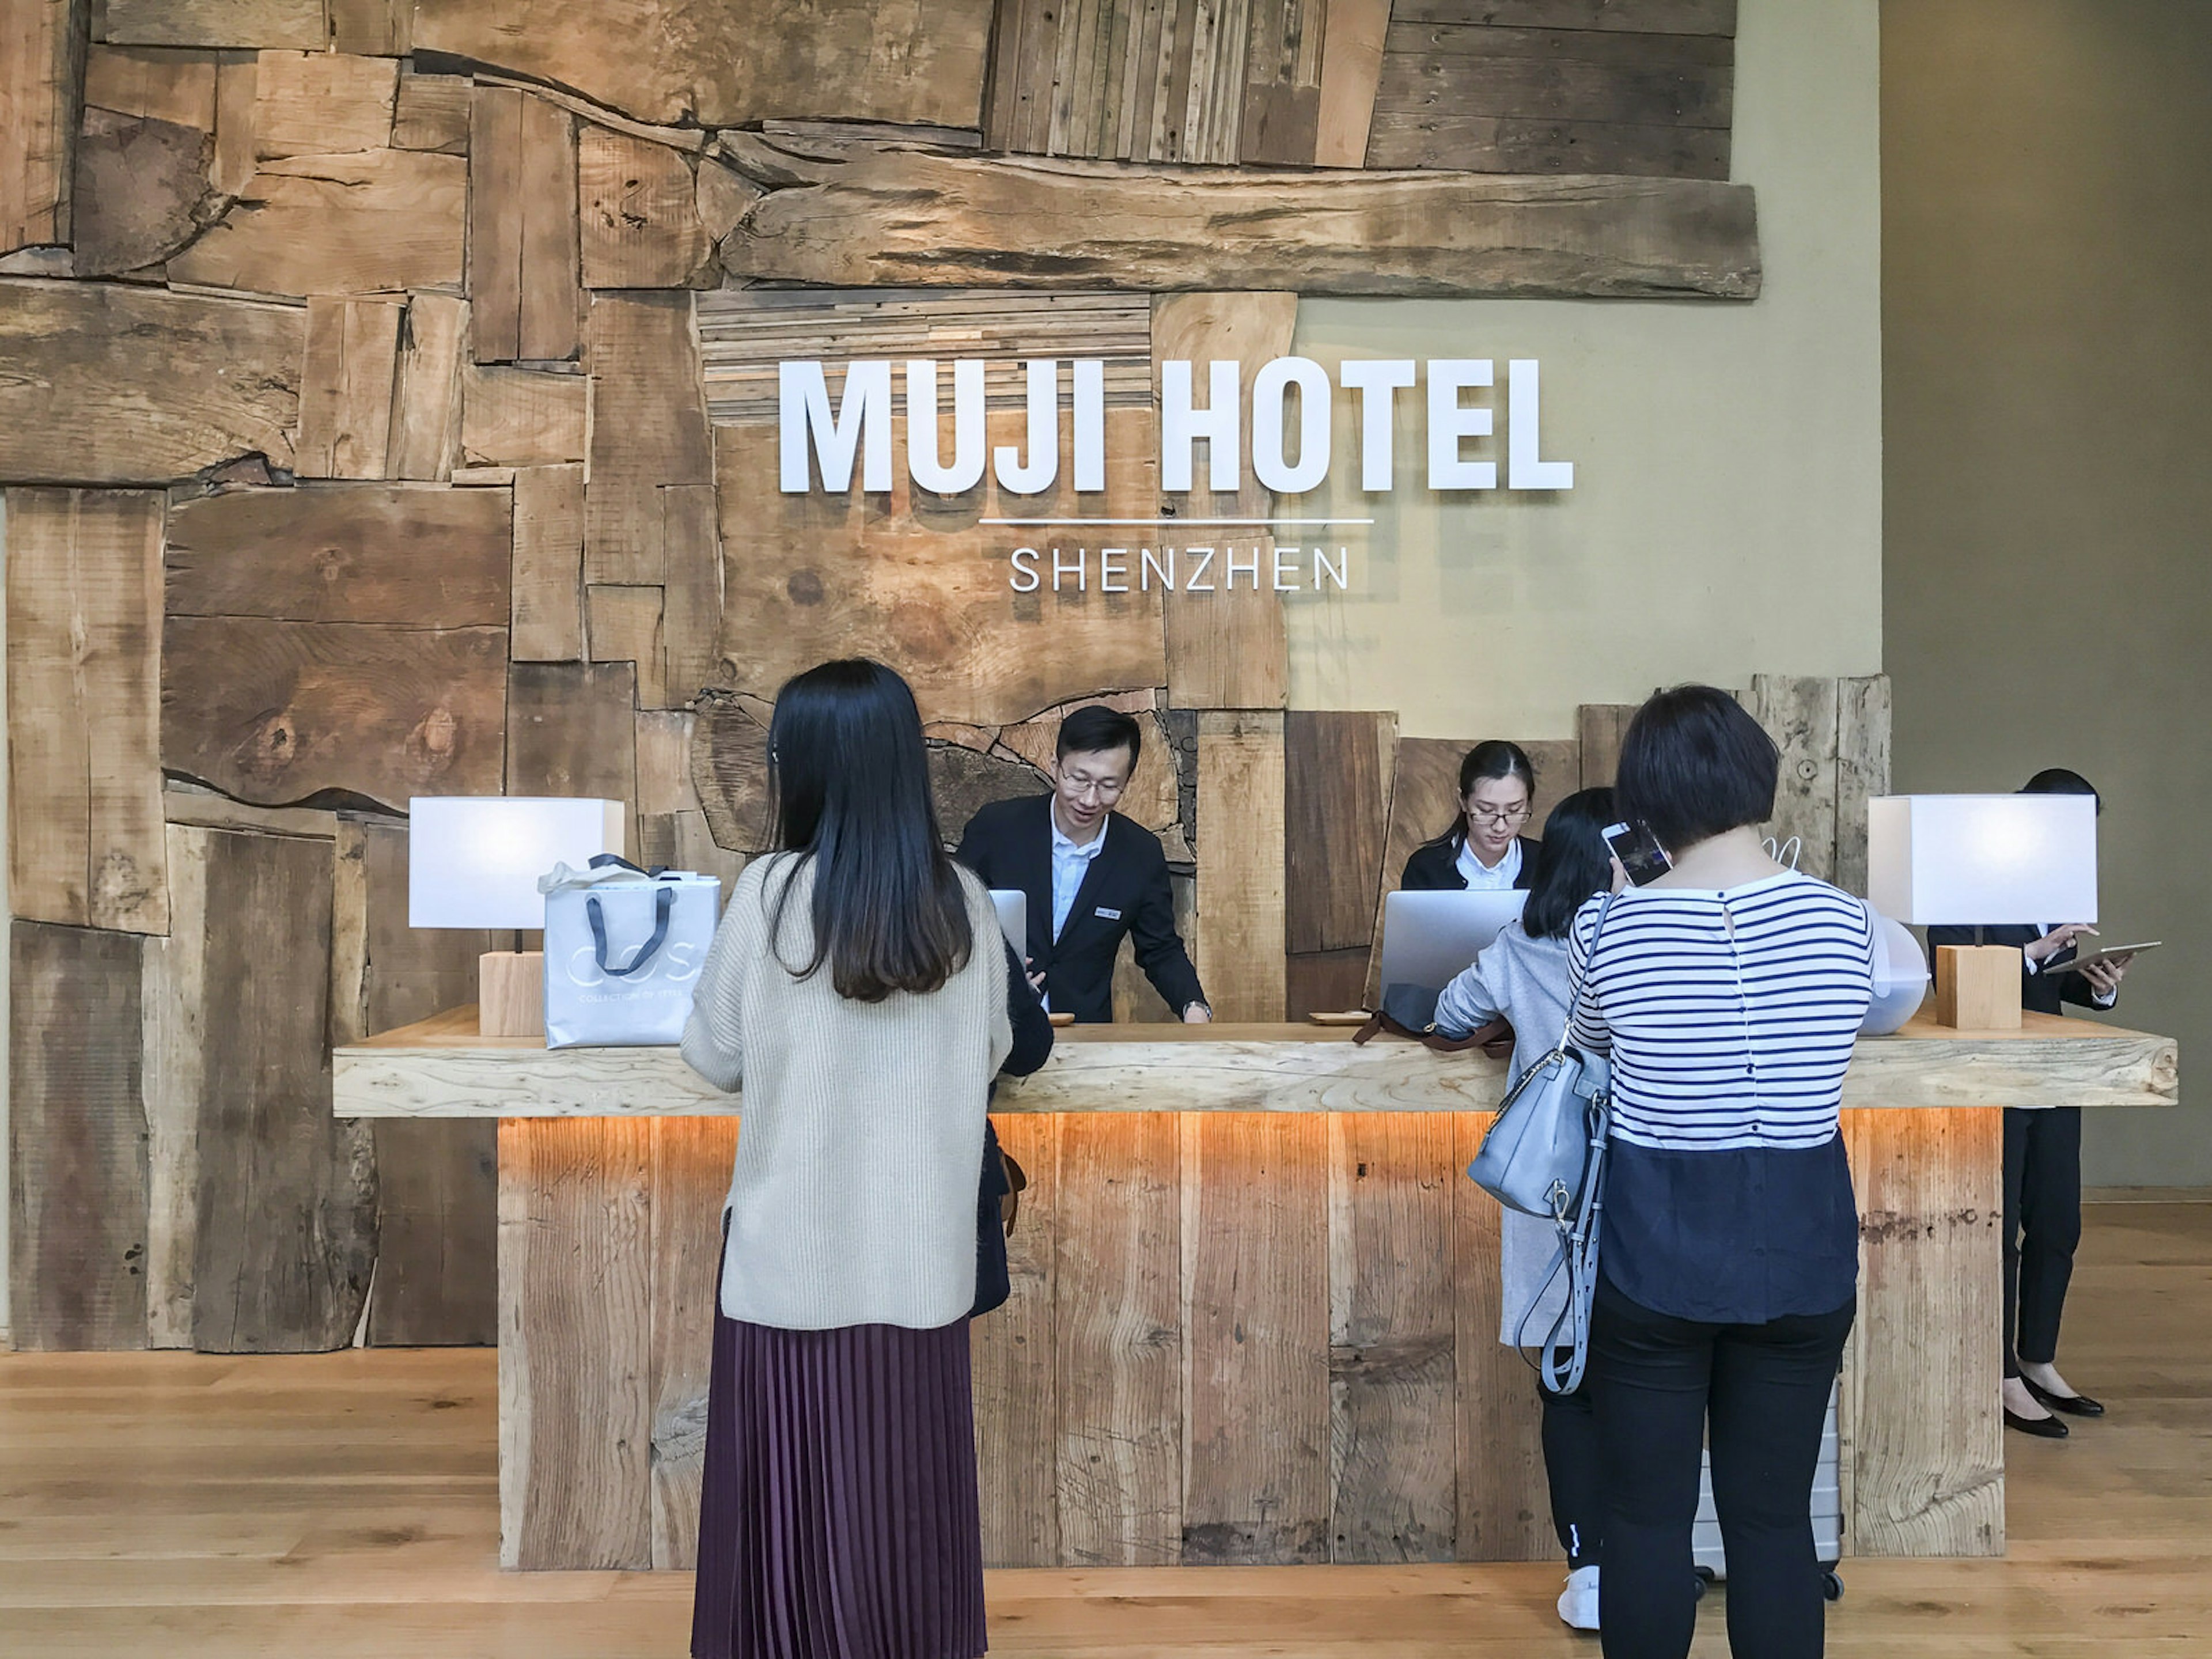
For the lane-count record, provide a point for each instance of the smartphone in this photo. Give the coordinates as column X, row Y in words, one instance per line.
column 1639, row 852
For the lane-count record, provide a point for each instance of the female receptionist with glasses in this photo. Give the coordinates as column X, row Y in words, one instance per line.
column 1484, row 849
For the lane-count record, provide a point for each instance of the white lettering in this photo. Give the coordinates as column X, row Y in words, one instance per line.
column 1342, row 573
column 1043, row 465
column 1525, row 468
column 1181, row 426
column 1113, row 561
column 1377, row 380
column 967, row 435
column 1194, row 585
column 1060, row 568
column 1152, row 566
column 1286, row 565
column 1250, row 568
column 1025, row 579
column 1090, row 424
column 1449, row 423
column 802, row 397
column 1269, row 385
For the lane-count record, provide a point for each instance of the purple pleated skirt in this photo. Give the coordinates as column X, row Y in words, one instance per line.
column 838, row 1516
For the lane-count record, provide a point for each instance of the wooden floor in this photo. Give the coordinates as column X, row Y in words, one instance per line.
column 344, row 1505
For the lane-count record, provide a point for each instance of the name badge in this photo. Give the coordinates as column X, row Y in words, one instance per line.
column 1105, row 914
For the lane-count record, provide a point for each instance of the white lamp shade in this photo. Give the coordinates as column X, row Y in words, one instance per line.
column 1982, row 860
column 474, row 860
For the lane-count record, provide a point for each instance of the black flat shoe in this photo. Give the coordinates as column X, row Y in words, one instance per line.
column 2074, row 1405
column 2043, row 1428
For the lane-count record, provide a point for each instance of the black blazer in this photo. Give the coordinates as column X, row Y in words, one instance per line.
column 2042, row 992
column 1126, row 891
column 1434, row 867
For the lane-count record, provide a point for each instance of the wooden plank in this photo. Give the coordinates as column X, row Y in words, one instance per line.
column 1633, row 16
column 576, row 1378
column 640, row 216
column 287, row 1223
column 84, row 786
column 572, row 731
column 1337, row 770
column 1326, row 981
column 1428, row 136
column 916, row 62
column 551, row 319
column 407, row 556
column 1802, row 716
column 521, row 417
column 729, row 767
column 1241, row 905
column 1601, row 726
column 648, row 429
column 672, row 824
column 369, row 222
column 496, row 209
column 690, row 1167
column 1929, row 1477
column 1282, row 92
column 548, row 615
column 691, row 619
column 174, row 996
column 426, row 395
column 238, row 75
column 141, row 190
column 1017, row 1404
column 1862, row 770
column 41, row 60
column 826, row 219
column 1504, row 1504
column 622, row 624
column 1256, row 1300
column 77, row 1140
column 161, row 85
column 1118, row 1364
column 347, row 388
column 432, row 112
column 207, row 809
column 272, row 711
column 1351, row 70
column 268, row 24
column 1226, row 648
column 383, row 28
column 108, row 382
column 1393, row 1463
column 322, row 103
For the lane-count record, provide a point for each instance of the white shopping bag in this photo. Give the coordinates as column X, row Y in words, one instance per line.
column 624, row 947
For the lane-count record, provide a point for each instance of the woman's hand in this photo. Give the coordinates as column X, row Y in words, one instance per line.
column 2060, row 937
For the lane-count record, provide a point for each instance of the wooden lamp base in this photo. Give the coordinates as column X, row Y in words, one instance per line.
column 511, row 993
column 1977, row 986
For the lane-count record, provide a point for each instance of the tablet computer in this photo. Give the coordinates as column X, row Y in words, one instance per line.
column 1429, row 938
column 2119, row 953
column 1014, row 908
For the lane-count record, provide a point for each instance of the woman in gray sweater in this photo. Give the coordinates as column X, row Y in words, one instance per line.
column 1523, row 978
column 858, row 991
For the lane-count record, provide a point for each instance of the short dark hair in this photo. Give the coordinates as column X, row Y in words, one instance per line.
column 1572, row 862
column 1095, row 728
column 1694, row 764
column 2062, row 780
column 849, row 774
column 1494, row 758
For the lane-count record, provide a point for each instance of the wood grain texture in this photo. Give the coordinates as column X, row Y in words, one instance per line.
column 1394, row 1462
column 1119, row 1365
column 426, row 396
column 575, row 1378
column 431, row 112
column 404, row 555
column 857, row 213
column 1326, row 981
column 286, row 1221
column 322, row 103
column 903, row 61
column 77, row 1139
column 1241, row 905
column 378, row 27
column 1153, row 797
column 1255, row 1291
column 1504, row 1505
column 366, row 222
column 691, row 583
column 141, row 190
column 622, row 624
column 525, row 285
column 1337, row 775
column 522, row 416
column 1635, row 17
column 165, row 86
column 1802, row 716
column 273, row 711
column 1862, row 747
column 41, row 60
column 347, row 390
column 729, row 768
column 690, row 1169
column 108, row 383
column 174, row 1005
column 1351, row 70
column 572, row 731
column 1018, row 1412
column 648, row 429
column 639, row 213
column 84, row 788
column 548, row 600
column 1601, row 726
column 297, row 25
column 237, row 75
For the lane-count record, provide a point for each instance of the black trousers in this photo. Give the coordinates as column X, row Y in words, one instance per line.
column 1575, row 1473
column 2042, row 1229
column 1662, row 1386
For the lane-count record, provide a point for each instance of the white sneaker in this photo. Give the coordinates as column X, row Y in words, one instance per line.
column 1578, row 1602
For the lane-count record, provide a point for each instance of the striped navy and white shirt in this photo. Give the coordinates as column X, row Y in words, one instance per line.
column 1729, row 1017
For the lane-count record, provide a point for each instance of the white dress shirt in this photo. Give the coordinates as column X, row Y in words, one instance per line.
column 1485, row 878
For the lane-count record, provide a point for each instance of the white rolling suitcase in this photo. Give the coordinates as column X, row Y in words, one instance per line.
column 1828, row 1517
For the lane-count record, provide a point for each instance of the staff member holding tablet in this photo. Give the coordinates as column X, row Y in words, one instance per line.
column 2043, row 1164
column 1090, row 875
column 1484, row 850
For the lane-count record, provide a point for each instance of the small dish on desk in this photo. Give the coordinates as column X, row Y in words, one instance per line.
column 1347, row 1016
column 1061, row 1018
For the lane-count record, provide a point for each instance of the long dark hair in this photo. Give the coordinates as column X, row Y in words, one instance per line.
column 850, row 777
column 1494, row 758
column 1572, row 862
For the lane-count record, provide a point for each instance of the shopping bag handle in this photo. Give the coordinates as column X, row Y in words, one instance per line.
column 664, row 902
column 601, row 860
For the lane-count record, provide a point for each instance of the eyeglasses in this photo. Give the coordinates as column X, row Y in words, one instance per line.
column 1508, row 815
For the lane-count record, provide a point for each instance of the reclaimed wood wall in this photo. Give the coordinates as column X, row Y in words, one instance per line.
column 386, row 409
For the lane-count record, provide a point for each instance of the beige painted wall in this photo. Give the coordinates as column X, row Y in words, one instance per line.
column 1725, row 515
column 2048, row 360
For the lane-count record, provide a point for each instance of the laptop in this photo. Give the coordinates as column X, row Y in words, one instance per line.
column 1430, row 938
column 1013, row 908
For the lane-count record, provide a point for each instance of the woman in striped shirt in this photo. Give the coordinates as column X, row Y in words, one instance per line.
column 1729, row 994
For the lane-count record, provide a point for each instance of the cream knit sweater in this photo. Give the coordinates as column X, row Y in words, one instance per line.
column 853, row 1198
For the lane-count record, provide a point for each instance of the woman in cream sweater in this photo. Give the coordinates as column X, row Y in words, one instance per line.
column 857, row 989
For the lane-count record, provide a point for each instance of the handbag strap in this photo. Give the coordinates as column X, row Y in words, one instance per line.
column 664, row 903
column 1577, row 981
column 1576, row 1256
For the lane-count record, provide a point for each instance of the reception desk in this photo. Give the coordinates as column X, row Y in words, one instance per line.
column 1256, row 1301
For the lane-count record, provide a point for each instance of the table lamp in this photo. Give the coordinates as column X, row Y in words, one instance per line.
column 473, row 861
column 1982, row 862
